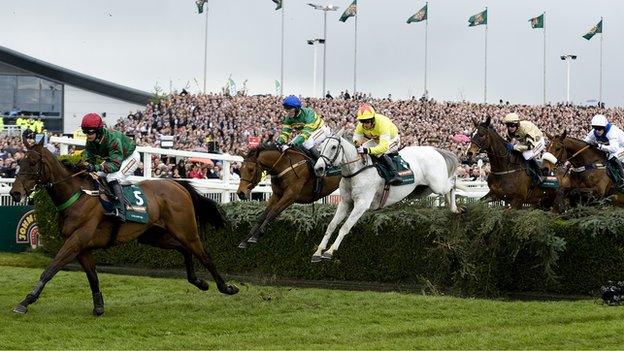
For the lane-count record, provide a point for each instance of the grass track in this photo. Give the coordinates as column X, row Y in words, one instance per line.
column 157, row 313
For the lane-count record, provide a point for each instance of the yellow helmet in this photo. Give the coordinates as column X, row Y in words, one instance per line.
column 511, row 118
column 365, row 111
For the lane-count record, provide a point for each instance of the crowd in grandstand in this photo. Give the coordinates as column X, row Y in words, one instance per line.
column 221, row 123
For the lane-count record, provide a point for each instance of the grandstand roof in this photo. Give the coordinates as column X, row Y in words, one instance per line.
column 64, row 75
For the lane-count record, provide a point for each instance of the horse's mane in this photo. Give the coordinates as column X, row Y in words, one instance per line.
column 265, row 146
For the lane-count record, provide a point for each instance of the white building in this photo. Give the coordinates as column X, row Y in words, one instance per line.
column 60, row 97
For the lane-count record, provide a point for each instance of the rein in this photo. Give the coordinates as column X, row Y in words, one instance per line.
column 338, row 152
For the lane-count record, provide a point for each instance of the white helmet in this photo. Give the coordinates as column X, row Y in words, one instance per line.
column 599, row 121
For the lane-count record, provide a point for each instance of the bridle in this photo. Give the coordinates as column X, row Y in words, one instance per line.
column 340, row 150
column 39, row 175
column 483, row 148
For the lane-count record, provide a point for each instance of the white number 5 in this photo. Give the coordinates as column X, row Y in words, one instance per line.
column 139, row 199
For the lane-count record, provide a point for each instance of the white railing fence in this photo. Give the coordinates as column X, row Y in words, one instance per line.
column 221, row 190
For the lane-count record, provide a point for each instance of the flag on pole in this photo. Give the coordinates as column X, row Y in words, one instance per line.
column 593, row 31
column 478, row 19
column 537, row 22
column 231, row 86
column 200, row 5
column 277, row 87
column 278, row 4
column 349, row 12
column 419, row 16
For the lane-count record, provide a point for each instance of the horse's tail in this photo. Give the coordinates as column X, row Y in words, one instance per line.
column 206, row 210
column 452, row 162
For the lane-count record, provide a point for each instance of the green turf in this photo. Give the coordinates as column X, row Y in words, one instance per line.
column 156, row 313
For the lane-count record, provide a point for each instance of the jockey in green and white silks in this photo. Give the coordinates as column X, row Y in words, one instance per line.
column 610, row 139
column 118, row 152
column 310, row 127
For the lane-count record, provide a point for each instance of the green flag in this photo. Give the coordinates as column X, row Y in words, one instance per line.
column 200, row 5
column 349, row 12
column 593, row 31
column 537, row 22
column 478, row 19
column 419, row 16
column 277, row 88
column 278, row 4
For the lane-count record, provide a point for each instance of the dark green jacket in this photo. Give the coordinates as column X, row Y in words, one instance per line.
column 306, row 122
column 113, row 146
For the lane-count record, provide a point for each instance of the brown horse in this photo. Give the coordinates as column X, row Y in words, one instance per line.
column 292, row 180
column 509, row 179
column 173, row 207
column 584, row 170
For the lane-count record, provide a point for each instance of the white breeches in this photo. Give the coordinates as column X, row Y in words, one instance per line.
column 316, row 137
column 127, row 168
column 393, row 144
column 536, row 151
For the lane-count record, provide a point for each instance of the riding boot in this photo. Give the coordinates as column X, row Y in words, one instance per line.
column 119, row 209
column 618, row 166
column 315, row 154
column 537, row 175
column 395, row 179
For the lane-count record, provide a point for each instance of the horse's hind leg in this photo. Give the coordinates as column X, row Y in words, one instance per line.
column 160, row 238
column 88, row 265
column 198, row 249
column 344, row 207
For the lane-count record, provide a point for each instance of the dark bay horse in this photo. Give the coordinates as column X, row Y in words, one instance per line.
column 509, row 179
column 584, row 175
column 292, row 180
column 174, row 210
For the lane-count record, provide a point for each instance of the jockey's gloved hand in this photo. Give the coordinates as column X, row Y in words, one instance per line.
column 89, row 167
column 362, row 150
column 510, row 147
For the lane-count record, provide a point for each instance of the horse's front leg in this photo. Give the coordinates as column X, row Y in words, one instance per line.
column 344, row 207
column 359, row 207
column 66, row 254
column 286, row 200
column 255, row 229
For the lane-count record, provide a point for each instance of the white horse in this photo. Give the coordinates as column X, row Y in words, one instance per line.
column 362, row 188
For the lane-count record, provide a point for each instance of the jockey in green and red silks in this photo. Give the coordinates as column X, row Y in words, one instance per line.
column 118, row 152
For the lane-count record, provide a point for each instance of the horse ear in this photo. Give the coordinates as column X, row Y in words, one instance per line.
column 549, row 136
column 474, row 122
column 40, row 143
column 27, row 144
column 487, row 121
column 339, row 133
column 563, row 135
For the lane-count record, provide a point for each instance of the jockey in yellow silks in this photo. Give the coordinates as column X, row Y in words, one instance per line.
column 376, row 135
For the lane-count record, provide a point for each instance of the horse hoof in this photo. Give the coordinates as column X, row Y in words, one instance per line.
column 98, row 311
column 229, row 289
column 243, row 245
column 327, row 255
column 316, row 258
column 202, row 285
column 253, row 240
column 21, row 309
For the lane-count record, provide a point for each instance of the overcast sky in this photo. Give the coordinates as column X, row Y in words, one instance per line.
column 144, row 43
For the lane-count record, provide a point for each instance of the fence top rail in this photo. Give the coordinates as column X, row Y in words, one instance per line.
column 157, row 150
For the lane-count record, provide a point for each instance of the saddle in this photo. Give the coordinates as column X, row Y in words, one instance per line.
column 134, row 200
column 403, row 169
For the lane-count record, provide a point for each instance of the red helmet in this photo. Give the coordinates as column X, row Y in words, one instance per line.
column 92, row 121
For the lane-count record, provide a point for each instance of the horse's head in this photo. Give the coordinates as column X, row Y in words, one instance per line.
column 480, row 139
column 250, row 176
column 33, row 169
column 253, row 165
column 331, row 151
column 557, row 147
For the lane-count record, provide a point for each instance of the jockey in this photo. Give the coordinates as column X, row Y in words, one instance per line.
column 309, row 125
column 530, row 141
column 117, row 152
column 375, row 134
column 610, row 139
